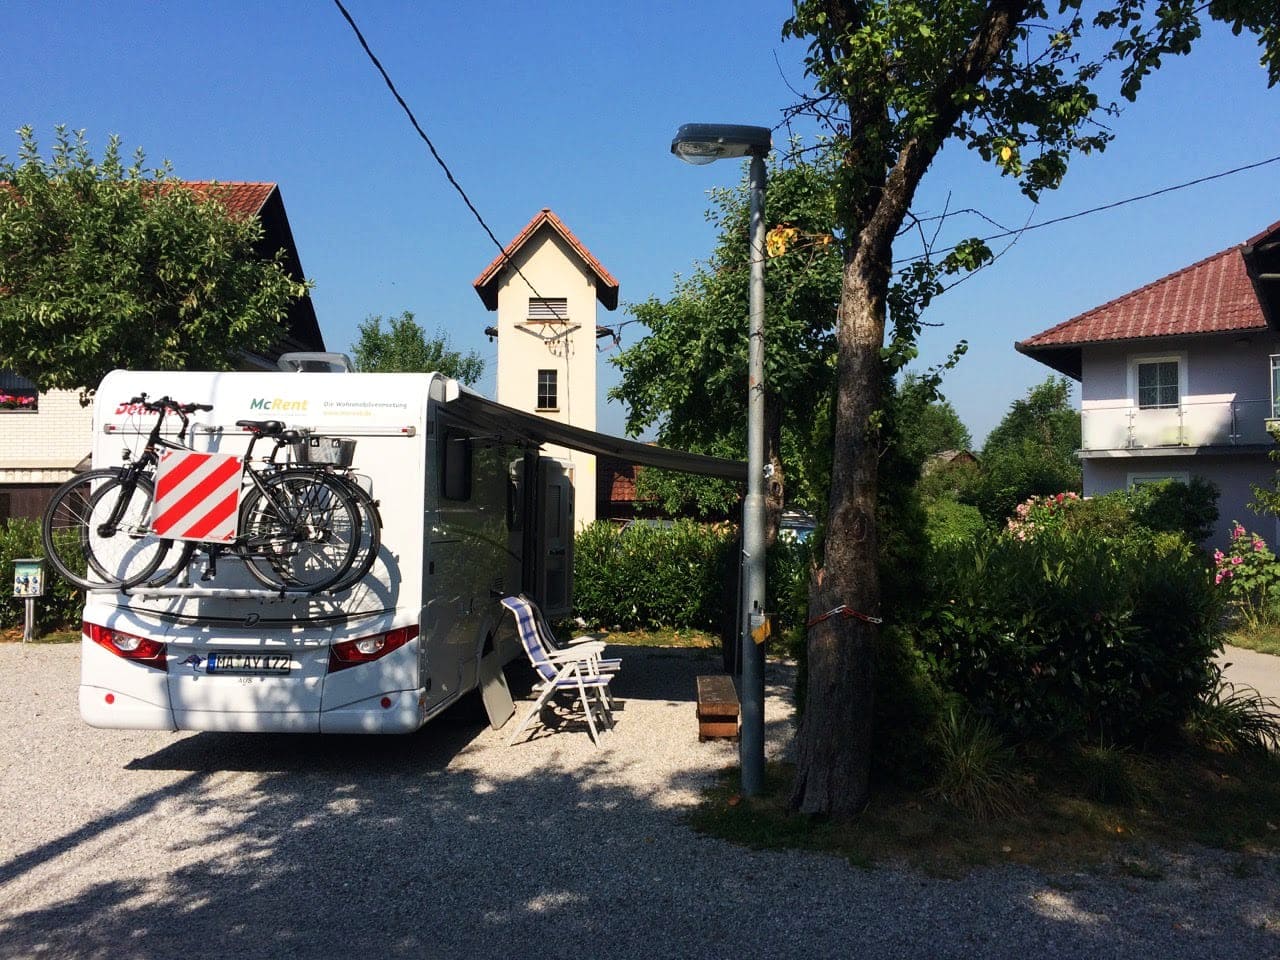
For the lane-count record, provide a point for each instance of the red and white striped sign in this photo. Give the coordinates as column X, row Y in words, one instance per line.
column 197, row 496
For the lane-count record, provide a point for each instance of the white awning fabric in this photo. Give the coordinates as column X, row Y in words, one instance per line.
column 501, row 419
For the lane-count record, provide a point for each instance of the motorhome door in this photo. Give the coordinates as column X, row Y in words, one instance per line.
column 554, row 552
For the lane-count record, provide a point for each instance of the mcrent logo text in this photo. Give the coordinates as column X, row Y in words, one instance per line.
column 278, row 404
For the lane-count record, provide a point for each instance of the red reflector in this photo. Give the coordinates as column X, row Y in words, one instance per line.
column 386, row 702
column 110, row 698
column 128, row 646
column 349, row 653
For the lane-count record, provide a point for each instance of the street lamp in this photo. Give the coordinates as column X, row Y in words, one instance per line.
column 700, row 143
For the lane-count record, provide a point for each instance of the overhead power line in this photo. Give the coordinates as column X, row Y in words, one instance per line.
column 439, row 159
column 1099, row 209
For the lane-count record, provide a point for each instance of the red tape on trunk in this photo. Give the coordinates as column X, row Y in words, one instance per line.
column 845, row 612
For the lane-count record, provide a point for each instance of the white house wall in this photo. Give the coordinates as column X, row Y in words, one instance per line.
column 555, row 270
column 1224, row 401
column 42, row 447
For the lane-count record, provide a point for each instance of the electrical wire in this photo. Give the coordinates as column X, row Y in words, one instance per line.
column 1099, row 209
column 439, row 159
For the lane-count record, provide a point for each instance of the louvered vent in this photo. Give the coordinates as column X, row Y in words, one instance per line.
column 548, row 308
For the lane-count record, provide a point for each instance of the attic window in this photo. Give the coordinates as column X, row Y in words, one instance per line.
column 548, row 309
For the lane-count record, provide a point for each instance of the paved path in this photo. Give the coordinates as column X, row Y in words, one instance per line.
column 1251, row 669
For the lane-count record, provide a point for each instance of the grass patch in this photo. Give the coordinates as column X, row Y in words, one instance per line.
column 1195, row 796
column 1263, row 639
column 57, row 635
column 664, row 637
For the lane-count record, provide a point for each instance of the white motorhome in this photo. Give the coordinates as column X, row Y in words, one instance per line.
column 469, row 511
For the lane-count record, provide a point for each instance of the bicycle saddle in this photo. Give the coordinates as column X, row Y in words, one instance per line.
column 268, row 428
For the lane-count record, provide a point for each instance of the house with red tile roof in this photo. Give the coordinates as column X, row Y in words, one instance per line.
column 43, row 437
column 1179, row 378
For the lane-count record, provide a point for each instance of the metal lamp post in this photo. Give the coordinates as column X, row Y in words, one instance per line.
column 700, row 143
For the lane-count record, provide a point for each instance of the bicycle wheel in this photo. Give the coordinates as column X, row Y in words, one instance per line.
column 97, row 530
column 299, row 530
column 370, row 536
column 176, row 562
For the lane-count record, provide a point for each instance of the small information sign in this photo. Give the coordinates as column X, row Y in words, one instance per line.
column 28, row 577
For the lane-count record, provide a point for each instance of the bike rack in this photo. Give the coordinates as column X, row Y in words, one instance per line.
column 217, row 593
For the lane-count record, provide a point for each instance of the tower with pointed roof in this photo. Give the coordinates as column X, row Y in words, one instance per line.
column 545, row 287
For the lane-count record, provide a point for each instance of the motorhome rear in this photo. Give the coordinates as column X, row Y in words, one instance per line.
column 469, row 512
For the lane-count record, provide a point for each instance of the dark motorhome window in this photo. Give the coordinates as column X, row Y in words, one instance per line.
column 455, row 466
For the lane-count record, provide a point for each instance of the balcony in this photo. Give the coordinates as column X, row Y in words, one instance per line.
column 1116, row 428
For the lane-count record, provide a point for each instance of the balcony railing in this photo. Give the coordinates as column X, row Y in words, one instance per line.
column 1193, row 423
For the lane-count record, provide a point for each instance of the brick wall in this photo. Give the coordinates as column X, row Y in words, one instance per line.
column 36, row 446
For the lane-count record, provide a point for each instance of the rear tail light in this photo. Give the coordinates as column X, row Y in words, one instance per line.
column 349, row 653
column 128, row 646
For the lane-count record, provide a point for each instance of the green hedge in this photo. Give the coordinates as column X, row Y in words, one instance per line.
column 653, row 576
column 61, row 603
column 1072, row 635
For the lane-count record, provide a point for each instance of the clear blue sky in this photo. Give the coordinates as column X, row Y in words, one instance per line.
column 572, row 105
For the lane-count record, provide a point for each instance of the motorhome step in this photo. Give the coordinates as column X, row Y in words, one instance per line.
column 717, row 708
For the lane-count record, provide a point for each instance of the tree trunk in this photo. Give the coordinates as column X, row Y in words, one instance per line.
column 834, row 740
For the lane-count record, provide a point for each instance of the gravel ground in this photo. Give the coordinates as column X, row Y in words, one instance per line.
column 451, row 844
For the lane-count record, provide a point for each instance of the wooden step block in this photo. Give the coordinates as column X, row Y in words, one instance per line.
column 717, row 708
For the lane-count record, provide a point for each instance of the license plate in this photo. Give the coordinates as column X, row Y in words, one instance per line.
column 249, row 663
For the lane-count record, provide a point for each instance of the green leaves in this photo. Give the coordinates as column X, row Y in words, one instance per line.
column 404, row 347
column 104, row 266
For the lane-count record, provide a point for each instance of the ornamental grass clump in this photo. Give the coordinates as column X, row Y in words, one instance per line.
column 1236, row 720
column 975, row 770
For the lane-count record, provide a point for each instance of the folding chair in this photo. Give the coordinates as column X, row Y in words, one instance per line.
column 575, row 671
column 581, row 644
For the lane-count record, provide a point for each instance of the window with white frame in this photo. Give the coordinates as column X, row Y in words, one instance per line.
column 547, row 390
column 1275, row 385
column 1158, row 383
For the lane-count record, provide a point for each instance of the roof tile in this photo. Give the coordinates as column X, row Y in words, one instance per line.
column 1214, row 295
column 486, row 283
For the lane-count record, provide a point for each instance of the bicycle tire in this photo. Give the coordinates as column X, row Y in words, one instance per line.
column 310, row 554
column 78, row 543
column 370, row 536
column 164, row 573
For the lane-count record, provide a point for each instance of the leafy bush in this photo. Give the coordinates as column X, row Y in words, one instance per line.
column 652, row 576
column 1072, row 636
column 949, row 520
column 1250, row 574
column 61, row 603
column 1171, row 506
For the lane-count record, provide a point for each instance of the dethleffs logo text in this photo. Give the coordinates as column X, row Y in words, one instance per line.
column 278, row 403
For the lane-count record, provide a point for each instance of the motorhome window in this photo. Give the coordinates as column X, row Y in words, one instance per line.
column 546, row 389
column 553, row 511
column 456, row 466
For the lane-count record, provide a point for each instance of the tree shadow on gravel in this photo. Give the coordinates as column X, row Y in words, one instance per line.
column 449, row 844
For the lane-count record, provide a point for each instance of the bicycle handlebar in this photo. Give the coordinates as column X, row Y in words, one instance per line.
column 168, row 403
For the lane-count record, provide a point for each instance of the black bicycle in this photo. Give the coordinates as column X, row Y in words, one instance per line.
column 298, row 529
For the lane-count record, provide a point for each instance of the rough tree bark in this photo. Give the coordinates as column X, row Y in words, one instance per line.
column 833, row 758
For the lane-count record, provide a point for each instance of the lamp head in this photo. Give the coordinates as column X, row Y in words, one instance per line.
column 700, row 143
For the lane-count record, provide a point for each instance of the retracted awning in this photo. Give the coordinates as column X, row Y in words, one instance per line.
column 490, row 415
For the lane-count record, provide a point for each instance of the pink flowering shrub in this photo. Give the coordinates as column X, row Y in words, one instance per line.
column 13, row 401
column 1036, row 514
column 1250, row 574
